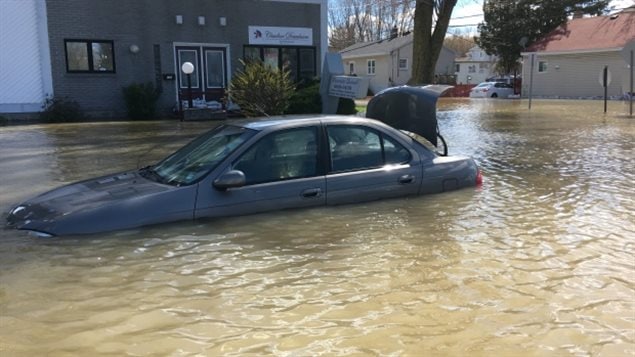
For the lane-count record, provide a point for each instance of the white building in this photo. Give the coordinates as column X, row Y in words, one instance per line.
column 388, row 62
column 476, row 67
column 568, row 61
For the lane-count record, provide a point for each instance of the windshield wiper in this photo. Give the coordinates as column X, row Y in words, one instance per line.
column 149, row 173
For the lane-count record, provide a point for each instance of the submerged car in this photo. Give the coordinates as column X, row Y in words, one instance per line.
column 253, row 166
column 492, row 90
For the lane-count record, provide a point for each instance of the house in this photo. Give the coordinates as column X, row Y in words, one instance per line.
column 388, row 62
column 569, row 60
column 87, row 50
column 476, row 67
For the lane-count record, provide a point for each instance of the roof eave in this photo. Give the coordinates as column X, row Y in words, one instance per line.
column 572, row 52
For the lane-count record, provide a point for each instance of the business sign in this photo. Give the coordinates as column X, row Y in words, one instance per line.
column 267, row 35
column 348, row 87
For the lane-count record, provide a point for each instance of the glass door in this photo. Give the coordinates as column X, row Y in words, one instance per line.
column 192, row 55
column 215, row 74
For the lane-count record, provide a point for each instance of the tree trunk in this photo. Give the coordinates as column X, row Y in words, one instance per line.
column 427, row 44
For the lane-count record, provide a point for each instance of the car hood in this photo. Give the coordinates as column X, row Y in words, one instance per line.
column 42, row 212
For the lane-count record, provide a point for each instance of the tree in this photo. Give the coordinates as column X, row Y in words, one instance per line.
column 460, row 44
column 510, row 25
column 428, row 37
column 354, row 21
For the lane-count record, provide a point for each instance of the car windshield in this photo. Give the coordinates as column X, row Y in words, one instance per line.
column 484, row 84
column 196, row 159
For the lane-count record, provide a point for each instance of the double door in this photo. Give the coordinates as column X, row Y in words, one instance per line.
column 209, row 79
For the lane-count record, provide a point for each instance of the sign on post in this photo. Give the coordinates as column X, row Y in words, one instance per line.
column 348, row 87
column 335, row 85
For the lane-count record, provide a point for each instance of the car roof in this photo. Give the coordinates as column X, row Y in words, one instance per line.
column 284, row 120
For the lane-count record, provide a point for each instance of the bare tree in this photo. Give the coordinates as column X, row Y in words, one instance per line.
column 431, row 21
column 354, row 21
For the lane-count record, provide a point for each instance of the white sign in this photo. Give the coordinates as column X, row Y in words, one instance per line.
column 266, row 35
column 348, row 87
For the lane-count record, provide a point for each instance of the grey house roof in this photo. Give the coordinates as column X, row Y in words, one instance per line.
column 376, row 48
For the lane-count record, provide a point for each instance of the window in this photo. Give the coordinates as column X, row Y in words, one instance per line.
column 299, row 61
column 280, row 156
column 458, row 68
column 403, row 64
column 471, row 69
column 90, row 56
column 351, row 68
column 542, row 66
column 354, row 148
column 371, row 66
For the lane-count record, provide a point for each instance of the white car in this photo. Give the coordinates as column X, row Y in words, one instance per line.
column 492, row 90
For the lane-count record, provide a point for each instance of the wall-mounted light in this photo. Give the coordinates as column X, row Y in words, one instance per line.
column 201, row 20
column 179, row 19
column 134, row 49
column 222, row 21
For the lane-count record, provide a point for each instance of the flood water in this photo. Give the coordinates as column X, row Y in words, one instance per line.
column 540, row 261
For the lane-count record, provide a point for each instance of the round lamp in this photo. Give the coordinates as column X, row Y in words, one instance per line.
column 187, row 68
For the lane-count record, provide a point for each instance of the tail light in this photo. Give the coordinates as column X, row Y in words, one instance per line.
column 479, row 177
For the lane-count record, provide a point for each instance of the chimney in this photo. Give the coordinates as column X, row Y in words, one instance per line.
column 394, row 32
column 578, row 14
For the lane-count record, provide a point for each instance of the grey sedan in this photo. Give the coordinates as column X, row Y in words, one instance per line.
column 253, row 166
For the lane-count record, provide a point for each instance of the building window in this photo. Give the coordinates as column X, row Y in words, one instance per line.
column 471, row 69
column 542, row 66
column 458, row 68
column 299, row 61
column 403, row 64
column 90, row 56
column 351, row 68
column 371, row 66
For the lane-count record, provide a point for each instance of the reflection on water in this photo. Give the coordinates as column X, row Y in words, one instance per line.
column 540, row 260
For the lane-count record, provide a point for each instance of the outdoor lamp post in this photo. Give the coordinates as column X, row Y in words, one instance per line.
column 188, row 69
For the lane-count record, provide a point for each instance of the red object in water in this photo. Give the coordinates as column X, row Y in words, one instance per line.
column 479, row 177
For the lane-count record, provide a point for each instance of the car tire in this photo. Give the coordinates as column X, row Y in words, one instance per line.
column 495, row 95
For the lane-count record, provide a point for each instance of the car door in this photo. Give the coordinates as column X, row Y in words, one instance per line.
column 369, row 164
column 282, row 170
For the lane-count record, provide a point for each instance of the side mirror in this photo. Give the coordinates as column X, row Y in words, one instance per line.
column 230, row 179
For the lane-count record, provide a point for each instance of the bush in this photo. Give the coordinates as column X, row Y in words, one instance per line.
column 306, row 100
column 141, row 100
column 61, row 110
column 346, row 106
column 261, row 90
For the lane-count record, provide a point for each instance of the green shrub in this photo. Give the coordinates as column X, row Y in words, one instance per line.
column 306, row 100
column 346, row 106
column 261, row 90
column 141, row 100
column 61, row 110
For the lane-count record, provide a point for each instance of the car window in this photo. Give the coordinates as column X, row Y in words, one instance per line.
column 281, row 155
column 356, row 148
column 394, row 152
column 353, row 148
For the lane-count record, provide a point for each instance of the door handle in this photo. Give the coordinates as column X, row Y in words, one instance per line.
column 405, row 179
column 312, row 192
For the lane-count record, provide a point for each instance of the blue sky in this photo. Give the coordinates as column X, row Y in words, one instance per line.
column 469, row 12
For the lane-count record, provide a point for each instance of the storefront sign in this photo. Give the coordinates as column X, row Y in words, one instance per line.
column 292, row 36
column 348, row 87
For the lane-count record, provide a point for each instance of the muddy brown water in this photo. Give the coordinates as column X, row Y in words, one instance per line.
column 540, row 261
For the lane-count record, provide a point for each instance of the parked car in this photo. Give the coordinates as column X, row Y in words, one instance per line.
column 252, row 166
column 492, row 90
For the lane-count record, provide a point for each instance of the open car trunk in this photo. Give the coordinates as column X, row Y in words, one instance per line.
column 408, row 108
